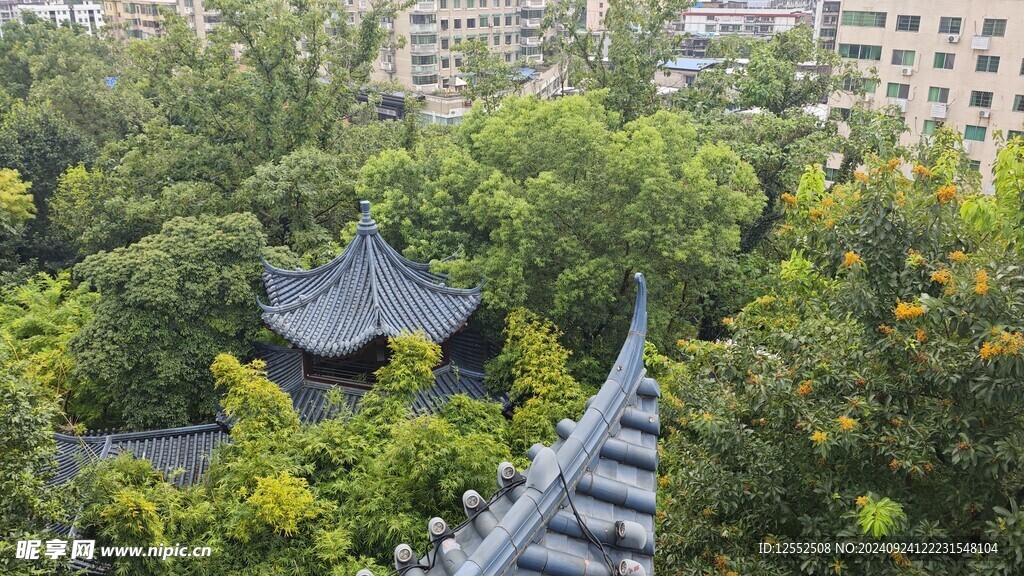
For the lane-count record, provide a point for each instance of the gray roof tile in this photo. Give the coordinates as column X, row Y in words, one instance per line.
column 369, row 290
column 602, row 468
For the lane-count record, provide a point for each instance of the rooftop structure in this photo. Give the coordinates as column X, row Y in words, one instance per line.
column 699, row 25
column 89, row 15
column 369, row 291
column 586, row 505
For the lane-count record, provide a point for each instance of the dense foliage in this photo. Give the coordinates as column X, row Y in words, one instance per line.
column 873, row 394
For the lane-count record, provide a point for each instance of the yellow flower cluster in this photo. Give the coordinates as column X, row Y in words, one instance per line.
column 860, row 177
column 922, row 171
column 789, row 200
column 981, row 282
column 946, row 194
column 851, row 259
column 815, row 214
column 921, row 335
column 819, row 437
column 1009, row 344
column 893, row 164
column 726, row 321
column 907, row 311
column 958, row 256
column 942, row 276
column 862, row 500
column 805, row 388
column 846, row 423
column 885, row 329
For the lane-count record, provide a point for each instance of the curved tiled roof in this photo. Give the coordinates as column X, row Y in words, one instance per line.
column 369, row 290
column 584, row 507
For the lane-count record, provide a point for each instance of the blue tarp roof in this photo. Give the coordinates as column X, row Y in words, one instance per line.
column 691, row 64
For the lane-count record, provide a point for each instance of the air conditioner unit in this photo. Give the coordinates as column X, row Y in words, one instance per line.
column 953, row 38
column 900, row 103
column 939, row 111
column 868, row 97
column 966, row 146
column 908, row 71
column 980, row 42
column 984, row 113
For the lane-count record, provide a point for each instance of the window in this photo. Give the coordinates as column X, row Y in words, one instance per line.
column 458, row 61
column 949, row 25
column 976, row 165
column 940, row 95
column 1011, row 134
column 944, row 60
column 508, row 19
column 993, row 27
column 903, row 57
column 446, row 63
column 981, row 99
column 871, row 19
column 908, row 23
column 444, row 24
column 987, row 64
column 424, row 80
column 975, row 133
column 1018, row 103
column 860, row 51
column 470, row 22
column 831, row 174
column 497, row 39
column 710, row 28
column 843, row 113
column 444, row 4
column 1022, row 66
column 469, row 3
column 444, row 43
column 496, row 20
column 457, row 4
column 458, row 23
column 898, row 90
column 508, row 39
column 930, row 126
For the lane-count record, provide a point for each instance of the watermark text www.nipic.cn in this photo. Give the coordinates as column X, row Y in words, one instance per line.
column 949, row 548
column 86, row 550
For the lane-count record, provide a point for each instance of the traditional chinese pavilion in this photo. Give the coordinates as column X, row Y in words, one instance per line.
column 341, row 314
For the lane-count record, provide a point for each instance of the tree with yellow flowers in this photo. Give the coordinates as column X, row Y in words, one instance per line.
column 873, row 395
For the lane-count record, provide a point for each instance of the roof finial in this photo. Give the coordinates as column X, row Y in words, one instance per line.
column 364, row 207
column 366, row 224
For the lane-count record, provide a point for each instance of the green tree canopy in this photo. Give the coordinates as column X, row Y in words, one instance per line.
column 168, row 305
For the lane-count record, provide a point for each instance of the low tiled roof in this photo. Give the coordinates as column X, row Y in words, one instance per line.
column 369, row 290
column 584, row 507
column 182, row 453
column 284, row 367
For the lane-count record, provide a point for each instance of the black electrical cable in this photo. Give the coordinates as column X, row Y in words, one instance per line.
column 434, row 539
column 583, row 526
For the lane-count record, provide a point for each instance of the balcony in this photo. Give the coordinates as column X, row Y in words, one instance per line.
column 940, row 111
column 529, row 41
column 529, row 23
column 423, row 48
column 980, row 42
column 387, row 66
column 424, row 69
column 423, row 28
column 424, row 7
column 531, row 3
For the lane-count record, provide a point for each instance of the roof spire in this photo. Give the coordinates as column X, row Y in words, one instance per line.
column 367, row 225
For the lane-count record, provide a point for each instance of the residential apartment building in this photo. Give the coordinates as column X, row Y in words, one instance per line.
column 429, row 61
column 141, row 18
column 86, row 14
column 700, row 25
column 826, row 23
column 957, row 63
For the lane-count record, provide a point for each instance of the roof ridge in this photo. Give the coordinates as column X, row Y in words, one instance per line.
column 500, row 543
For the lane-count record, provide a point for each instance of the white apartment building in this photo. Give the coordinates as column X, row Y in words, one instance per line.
column 956, row 62
column 87, row 14
column 141, row 18
column 428, row 61
column 700, row 25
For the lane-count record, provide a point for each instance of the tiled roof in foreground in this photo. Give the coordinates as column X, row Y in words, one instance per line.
column 368, row 291
column 585, row 506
